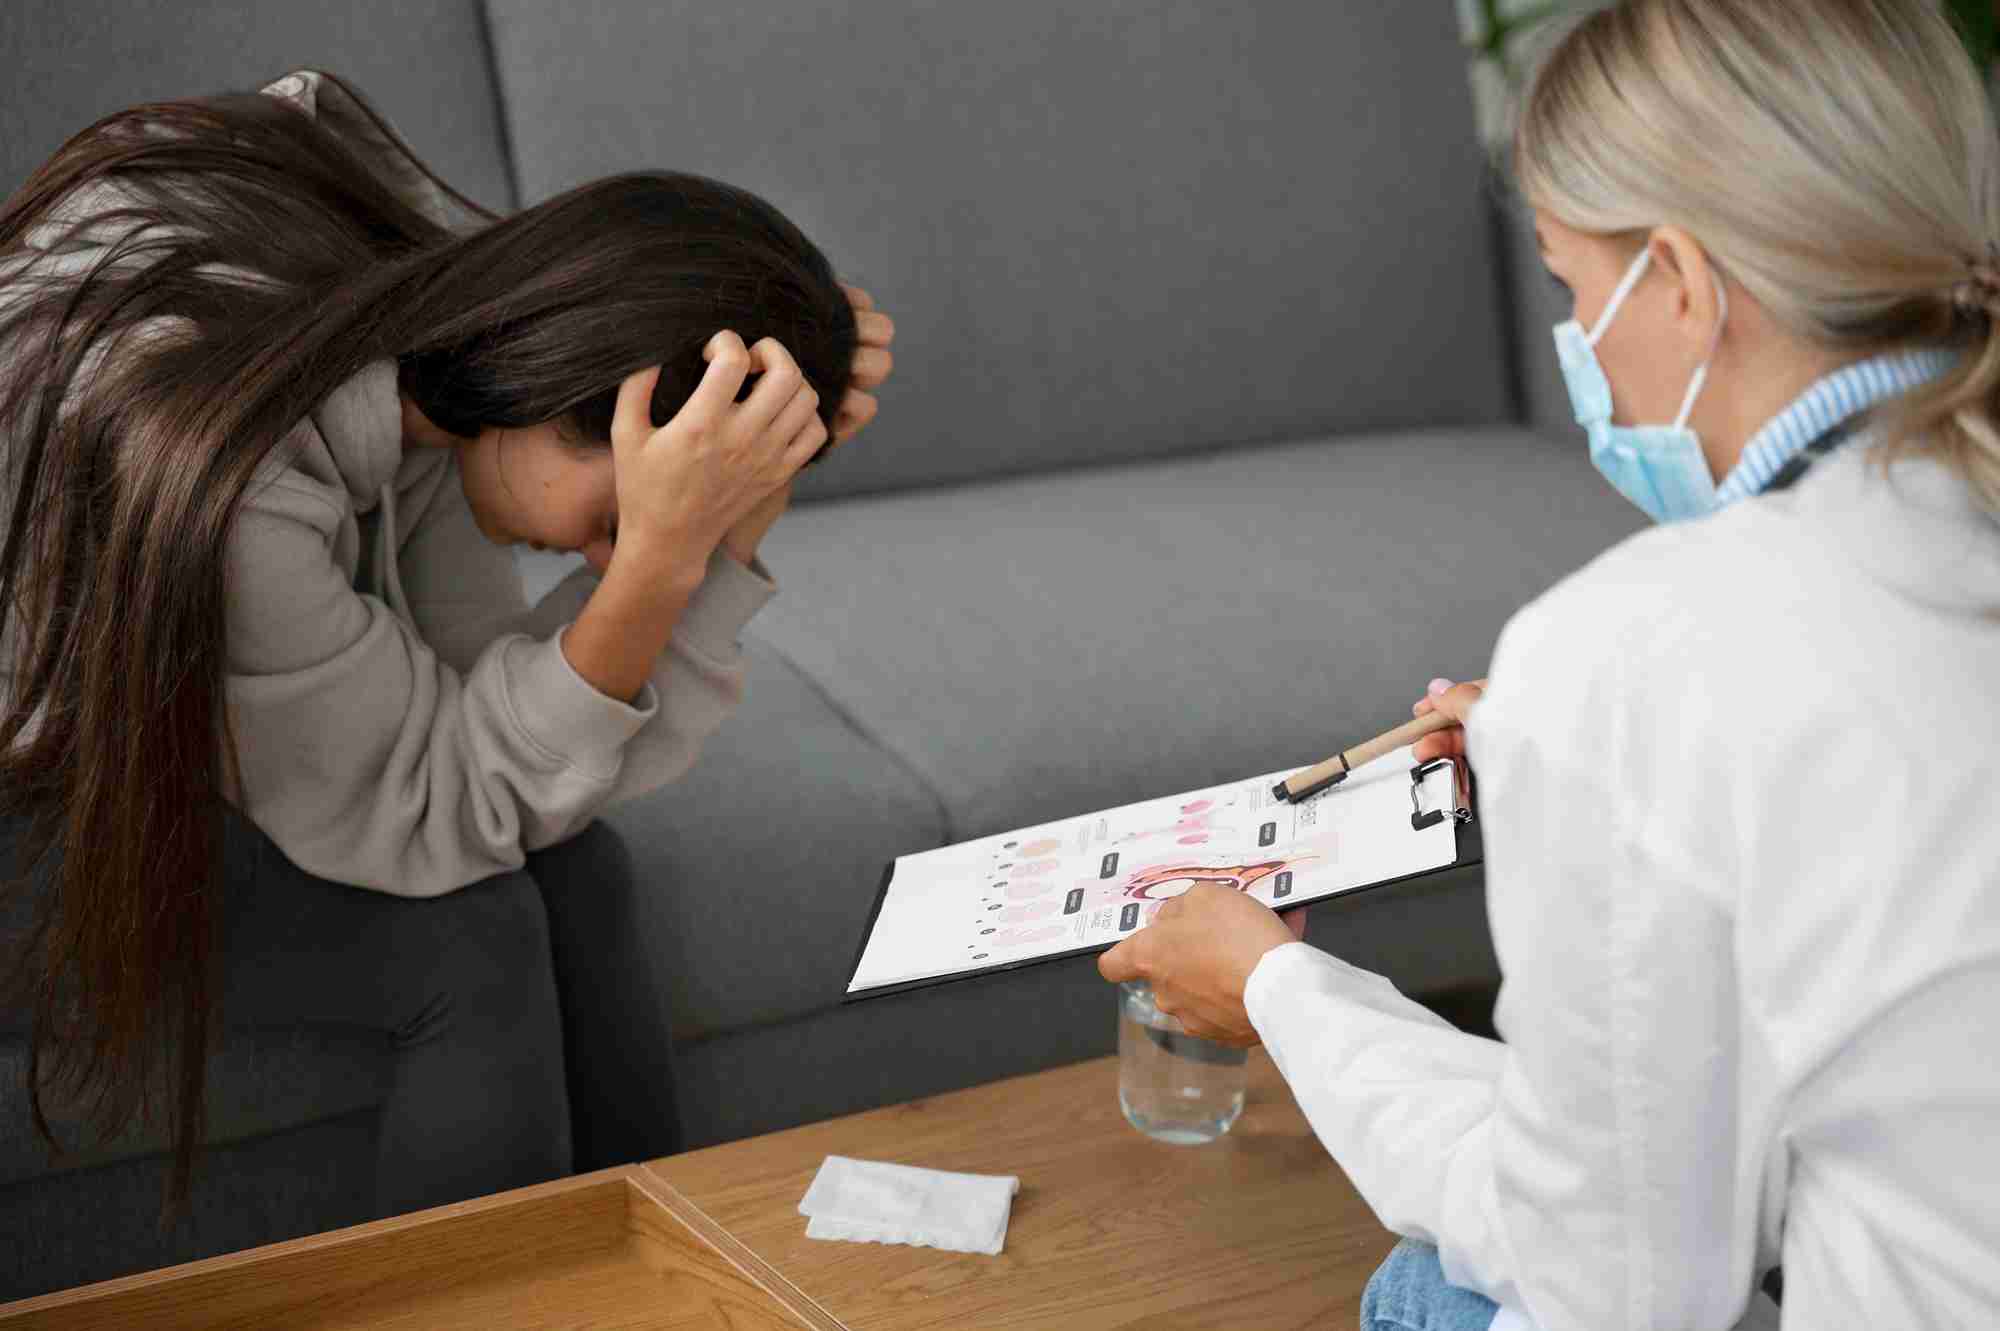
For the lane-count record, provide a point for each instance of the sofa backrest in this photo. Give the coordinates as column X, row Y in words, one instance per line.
column 426, row 66
column 1106, row 231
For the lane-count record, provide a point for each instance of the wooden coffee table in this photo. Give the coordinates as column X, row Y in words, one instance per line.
column 1110, row 1229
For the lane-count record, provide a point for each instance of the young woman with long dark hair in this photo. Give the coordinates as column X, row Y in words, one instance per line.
column 275, row 402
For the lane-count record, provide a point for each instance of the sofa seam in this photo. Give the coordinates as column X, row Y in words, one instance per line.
column 490, row 48
column 947, row 833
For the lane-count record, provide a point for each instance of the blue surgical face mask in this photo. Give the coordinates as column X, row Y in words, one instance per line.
column 1661, row 468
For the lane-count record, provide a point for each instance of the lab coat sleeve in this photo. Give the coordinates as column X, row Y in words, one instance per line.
column 1583, row 1172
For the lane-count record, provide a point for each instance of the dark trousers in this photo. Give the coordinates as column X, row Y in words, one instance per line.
column 460, row 989
column 616, row 1007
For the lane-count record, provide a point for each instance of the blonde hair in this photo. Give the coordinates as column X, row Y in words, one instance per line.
column 1837, row 158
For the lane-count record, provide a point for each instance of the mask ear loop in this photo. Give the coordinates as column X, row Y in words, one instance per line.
column 1714, row 341
column 1633, row 273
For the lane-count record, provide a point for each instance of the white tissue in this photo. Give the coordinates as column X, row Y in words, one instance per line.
column 866, row 1201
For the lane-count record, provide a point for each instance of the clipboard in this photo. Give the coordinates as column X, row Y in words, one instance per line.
column 1433, row 794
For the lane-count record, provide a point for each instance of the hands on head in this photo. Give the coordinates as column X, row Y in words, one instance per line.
column 874, row 331
column 720, row 472
column 688, row 484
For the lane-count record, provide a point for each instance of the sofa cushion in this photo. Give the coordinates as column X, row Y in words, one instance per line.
column 424, row 66
column 751, row 871
column 1108, row 231
column 1039, row 647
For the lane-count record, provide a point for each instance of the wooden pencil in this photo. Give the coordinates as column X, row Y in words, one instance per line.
column 1304, row 785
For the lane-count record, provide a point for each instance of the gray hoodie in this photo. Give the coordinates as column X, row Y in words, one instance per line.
column 405, row 720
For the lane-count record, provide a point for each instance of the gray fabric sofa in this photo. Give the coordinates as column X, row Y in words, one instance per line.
column 1218, row 427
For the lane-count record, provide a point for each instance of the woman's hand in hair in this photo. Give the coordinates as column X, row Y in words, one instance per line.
column 686, row 485
column 682, row 488
column 743, row 539
column 1456, row 700
column 874, row 331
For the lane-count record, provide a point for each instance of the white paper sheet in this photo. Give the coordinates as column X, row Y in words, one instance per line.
column 1090, row 881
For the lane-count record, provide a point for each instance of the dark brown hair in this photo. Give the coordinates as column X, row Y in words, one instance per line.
column 179, row 286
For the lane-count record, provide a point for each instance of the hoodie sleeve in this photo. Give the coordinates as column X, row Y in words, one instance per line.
column 464, row 592
column 371, row 759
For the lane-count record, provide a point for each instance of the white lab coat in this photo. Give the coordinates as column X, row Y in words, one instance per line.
column 1740, row 790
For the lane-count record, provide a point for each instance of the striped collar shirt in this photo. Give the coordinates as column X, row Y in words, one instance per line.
column 1837, row 398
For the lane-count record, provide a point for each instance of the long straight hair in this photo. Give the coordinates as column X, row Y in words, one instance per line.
column 1837, row 157
column 179, row 287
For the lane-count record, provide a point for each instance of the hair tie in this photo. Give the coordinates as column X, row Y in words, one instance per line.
column 1980, row 288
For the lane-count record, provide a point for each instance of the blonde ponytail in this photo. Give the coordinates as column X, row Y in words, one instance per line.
column 1838, row 158
column 1952, row 419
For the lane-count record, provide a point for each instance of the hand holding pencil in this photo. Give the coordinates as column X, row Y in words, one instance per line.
column 1455, row 700
column 1438, row 731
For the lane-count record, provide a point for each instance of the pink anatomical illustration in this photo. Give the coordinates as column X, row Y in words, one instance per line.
column 1036, row 868
column 1023, row 935
column 1035, row 849
column 1040, row 910
column 1170, row 880
column 1200, row 823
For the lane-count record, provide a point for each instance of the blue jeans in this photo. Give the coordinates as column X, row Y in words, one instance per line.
column 1408, row 1292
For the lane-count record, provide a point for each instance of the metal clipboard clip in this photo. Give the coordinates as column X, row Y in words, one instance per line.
column 1457, row 808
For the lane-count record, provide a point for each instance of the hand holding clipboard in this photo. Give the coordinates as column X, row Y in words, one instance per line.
column 1084, row 883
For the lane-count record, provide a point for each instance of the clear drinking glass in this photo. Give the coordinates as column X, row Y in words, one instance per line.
column 1174, row 1086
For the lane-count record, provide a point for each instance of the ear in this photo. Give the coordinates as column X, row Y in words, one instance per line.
column 1697, row 303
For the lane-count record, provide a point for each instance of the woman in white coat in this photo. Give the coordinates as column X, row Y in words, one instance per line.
column 1738, row 775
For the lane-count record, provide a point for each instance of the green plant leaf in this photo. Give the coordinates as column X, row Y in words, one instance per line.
column 1497, row 31
column 1978, row 24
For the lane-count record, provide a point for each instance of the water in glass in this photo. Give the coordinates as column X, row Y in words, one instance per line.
column 1174, row 1086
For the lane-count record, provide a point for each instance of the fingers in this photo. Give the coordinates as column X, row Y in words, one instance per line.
column 780, row 382
column 872, row 328
column 632, row 419
column 1459, row 700
column 856, row 410
column 805, row 444
column 872, row 366
column 728, row 365
column 1444, row 744
column 1214, row 1034
column 1120, row 963
column 856, row 297
column 802, row 409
